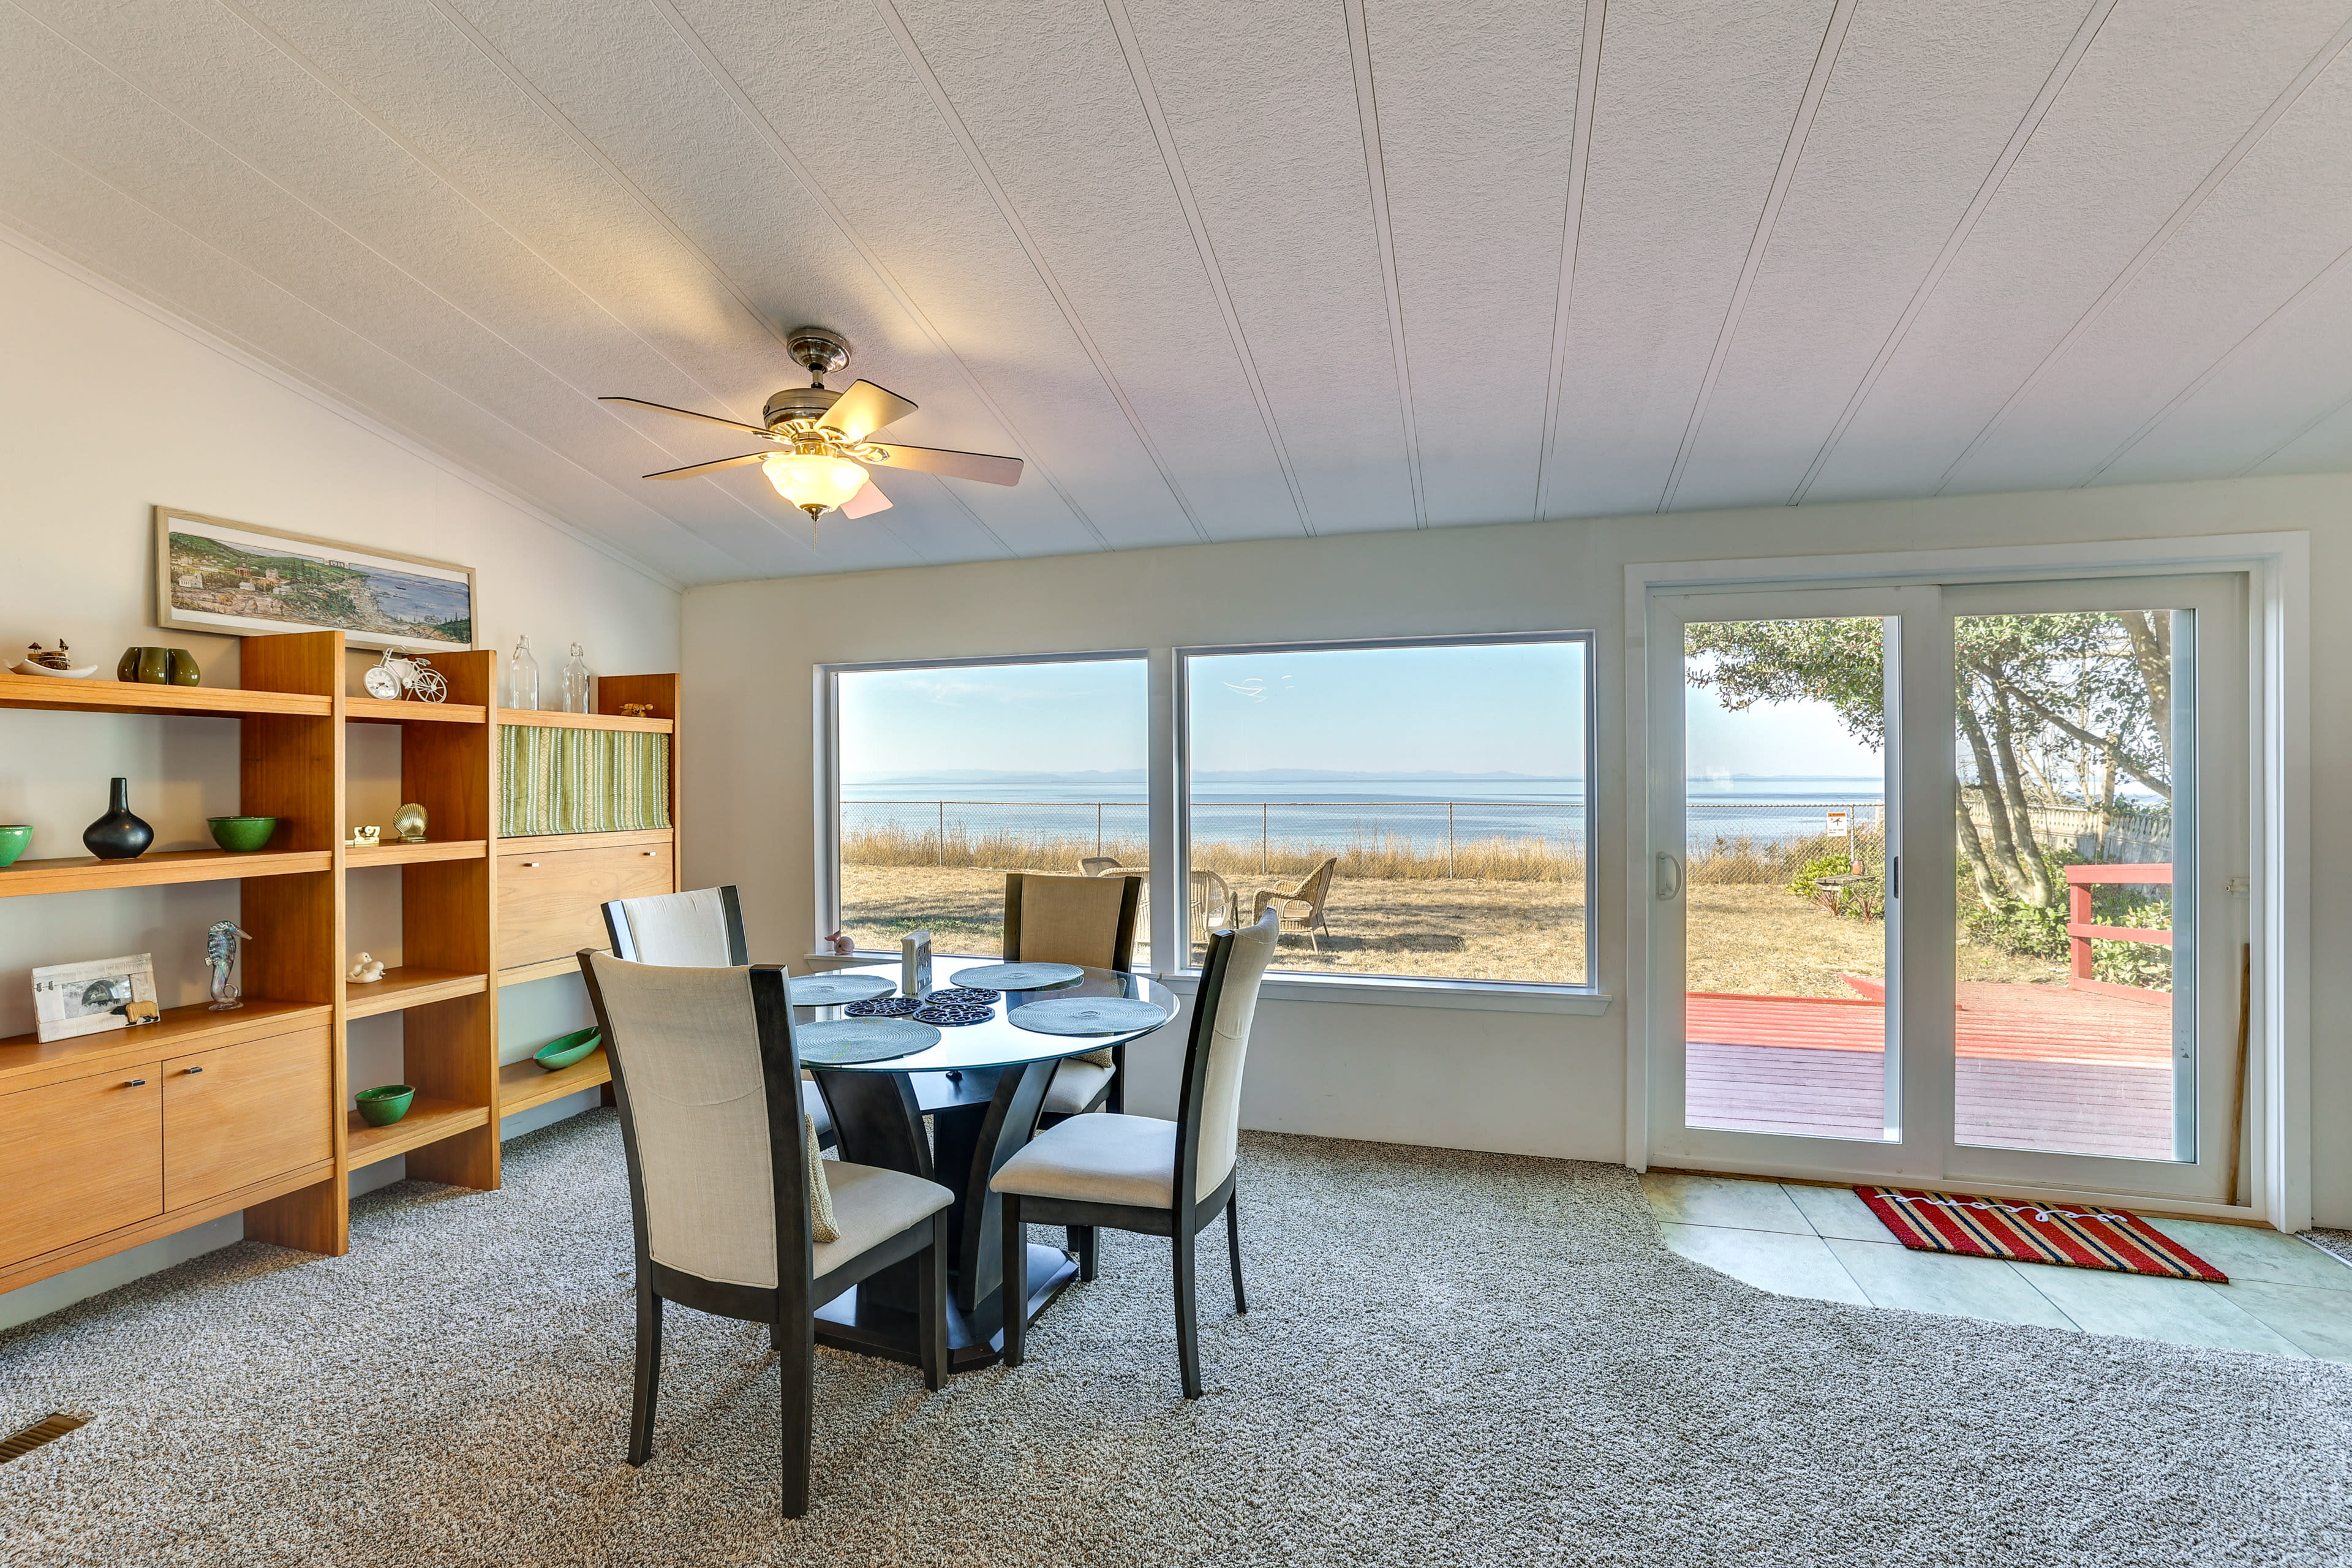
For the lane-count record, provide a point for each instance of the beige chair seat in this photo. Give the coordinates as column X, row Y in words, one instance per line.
column 1100, row 1159
column 1076, row 1084
column 870, row 1205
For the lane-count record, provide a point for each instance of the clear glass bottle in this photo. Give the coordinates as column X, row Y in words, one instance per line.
column 578, row 689
column 522, row 678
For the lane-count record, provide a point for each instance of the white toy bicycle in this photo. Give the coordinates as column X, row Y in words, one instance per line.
column 399, row 673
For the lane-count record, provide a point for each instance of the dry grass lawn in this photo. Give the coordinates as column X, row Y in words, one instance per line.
column 1460, row 928
column 1759, row 941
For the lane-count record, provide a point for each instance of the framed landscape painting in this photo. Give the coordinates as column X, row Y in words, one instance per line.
column 239, row 579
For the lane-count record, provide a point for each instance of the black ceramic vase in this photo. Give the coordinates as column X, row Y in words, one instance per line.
column 119, row 836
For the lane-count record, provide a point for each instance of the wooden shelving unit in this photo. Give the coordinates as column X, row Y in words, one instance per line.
column 74, row 1199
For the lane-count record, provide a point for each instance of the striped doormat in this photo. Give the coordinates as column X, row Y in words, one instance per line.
column 2073, row 1235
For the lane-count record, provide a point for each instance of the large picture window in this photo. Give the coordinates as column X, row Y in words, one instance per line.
column 1413, row 809
column 948, row 776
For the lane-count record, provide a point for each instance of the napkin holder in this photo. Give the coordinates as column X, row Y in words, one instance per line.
column 915, row 963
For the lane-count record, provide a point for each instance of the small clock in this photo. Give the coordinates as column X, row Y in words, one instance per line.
column 382, row 683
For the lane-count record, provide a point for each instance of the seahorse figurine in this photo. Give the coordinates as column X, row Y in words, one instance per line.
column 220, row 952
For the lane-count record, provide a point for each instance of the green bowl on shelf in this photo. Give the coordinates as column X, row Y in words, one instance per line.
column 382, row 1107
column 559, row 1053
column 243, row 835
column 14, row 837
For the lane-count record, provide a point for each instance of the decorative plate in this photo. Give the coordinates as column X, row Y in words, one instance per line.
column 1019, row 976
column 845, row 1042
column 1088, row 1015
column 961, row 997
column 26, row 666
column 833, row 990
column 883, row 1007
column 955, row 1014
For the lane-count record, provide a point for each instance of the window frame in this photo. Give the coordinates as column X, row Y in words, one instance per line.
column 825, row 749
column 1494, row 995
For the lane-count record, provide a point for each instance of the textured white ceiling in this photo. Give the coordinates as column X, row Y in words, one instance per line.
column 1222, row 271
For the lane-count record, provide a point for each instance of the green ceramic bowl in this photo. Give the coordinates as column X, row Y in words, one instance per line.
column 242, row 834
column 557, row 1055
column 13, row 836
column 382, row 1107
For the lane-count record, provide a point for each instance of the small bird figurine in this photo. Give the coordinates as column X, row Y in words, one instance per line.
column 367, row 971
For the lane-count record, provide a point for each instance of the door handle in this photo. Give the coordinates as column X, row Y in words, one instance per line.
column 195, row 1070
column 1670, row 875
column 132, row 1082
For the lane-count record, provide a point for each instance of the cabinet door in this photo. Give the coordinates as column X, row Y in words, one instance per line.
column 550, row 905
column 79, row 1158
column 242, row 1113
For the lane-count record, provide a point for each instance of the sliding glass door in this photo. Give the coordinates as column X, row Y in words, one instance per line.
column 1943, row 882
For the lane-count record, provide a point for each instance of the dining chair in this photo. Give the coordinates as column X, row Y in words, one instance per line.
column 729, row 1195
column 1089, row 922
column 1143, row 1175
column 698, row 929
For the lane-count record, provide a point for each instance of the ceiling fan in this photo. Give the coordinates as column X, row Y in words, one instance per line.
column 820, row 437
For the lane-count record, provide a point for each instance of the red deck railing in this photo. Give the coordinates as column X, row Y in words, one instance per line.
column 2081, row 933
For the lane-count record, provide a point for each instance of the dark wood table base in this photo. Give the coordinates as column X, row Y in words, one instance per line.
column 979, row 1118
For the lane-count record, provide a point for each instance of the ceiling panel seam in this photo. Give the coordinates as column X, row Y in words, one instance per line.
column 422, row 160
column 2052, row 86
column 1145, row 89
column 2123, row 280
column 2260, row 330
column 1368, row 114
column 417, row 154
column 221, row 340
column 1792, row 153
column 297, row 200
column 954, row 118
column 1588, row 87
column 611, row 171
column 2306, row 428
column 782, row 150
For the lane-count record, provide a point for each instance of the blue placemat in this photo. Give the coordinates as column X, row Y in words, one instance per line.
column 1088, row 1015
column 1018, row 976
column 845, row 1042
column 833, row 990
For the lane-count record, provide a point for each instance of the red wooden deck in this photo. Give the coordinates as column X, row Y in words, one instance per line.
column 2039, row 1066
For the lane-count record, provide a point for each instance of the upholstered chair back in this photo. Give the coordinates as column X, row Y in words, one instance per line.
column 702, row 928
column 1247, row 956
column 1086, row 921
column 685, row 1045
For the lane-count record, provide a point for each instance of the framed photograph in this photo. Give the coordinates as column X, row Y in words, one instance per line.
column 241, row 579
column 75, row 999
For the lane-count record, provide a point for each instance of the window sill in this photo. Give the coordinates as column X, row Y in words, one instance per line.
column 1388, row 991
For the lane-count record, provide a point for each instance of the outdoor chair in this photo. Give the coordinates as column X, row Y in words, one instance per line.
column 698, row 930
column 1301, row 902
column 732, row 1205
column 1139, row 1173
column 1095, row 865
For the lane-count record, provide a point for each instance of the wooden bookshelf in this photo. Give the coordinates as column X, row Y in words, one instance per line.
column 291, row 712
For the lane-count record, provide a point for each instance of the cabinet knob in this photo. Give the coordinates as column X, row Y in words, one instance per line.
column 132, row 1082
column 196, row 1070
column 531, row 862
column 651, row 853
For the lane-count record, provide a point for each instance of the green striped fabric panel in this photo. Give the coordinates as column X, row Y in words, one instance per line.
column 581, row 780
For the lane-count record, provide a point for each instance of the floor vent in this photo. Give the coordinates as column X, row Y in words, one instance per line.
column 47, row 1429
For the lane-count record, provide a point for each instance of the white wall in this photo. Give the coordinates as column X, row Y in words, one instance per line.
column 1539, row 1084
column 107, row 410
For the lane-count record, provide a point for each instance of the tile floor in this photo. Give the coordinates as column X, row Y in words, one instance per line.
column 2285, row 1297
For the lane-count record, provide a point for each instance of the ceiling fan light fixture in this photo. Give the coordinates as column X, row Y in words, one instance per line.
column 813, row 481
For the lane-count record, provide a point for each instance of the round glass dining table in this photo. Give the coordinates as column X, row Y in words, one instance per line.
column 980, row 1087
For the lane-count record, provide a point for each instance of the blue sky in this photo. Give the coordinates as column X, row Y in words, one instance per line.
column 1515, row 707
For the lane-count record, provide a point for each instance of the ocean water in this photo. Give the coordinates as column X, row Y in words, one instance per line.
column 1337, row 813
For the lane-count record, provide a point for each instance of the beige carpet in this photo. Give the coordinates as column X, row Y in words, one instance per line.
column 1452, row 1359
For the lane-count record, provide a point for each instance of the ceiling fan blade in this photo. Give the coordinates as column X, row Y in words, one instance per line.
column 955, row 465
column 687, row 414
column 699, row 469
column 864, row 408
column 868, row 501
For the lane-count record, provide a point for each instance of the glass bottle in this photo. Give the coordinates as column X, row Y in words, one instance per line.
column 522, row 678
column 576, row 682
